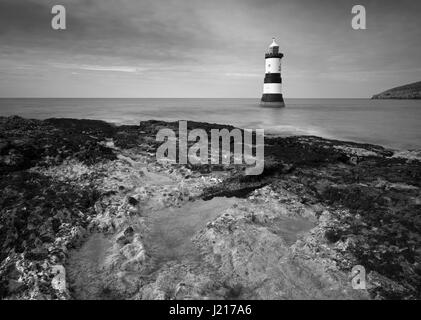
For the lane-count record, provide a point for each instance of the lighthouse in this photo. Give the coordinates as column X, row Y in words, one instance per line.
column 272, row 88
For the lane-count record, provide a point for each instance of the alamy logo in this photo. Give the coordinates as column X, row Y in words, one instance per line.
column 359, row 20
column 198, row 153
column 358, row 281
column 59, row 20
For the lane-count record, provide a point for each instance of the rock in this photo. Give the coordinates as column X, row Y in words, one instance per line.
column 4, row 146
column 132, row 201
column 128, row 232
column 59, row 281
column 122, row 240
column 332, row 235
column 39, row 253
column 319, row 208
column 15, row 286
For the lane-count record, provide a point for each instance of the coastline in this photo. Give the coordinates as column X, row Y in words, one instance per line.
column 74, row 187
column 358, row 120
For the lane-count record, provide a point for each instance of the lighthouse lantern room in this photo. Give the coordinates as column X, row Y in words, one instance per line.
column 272, row 88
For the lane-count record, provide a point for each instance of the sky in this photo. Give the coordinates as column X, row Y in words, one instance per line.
column 206, row 48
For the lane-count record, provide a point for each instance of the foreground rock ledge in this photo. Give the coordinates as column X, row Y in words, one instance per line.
column 88, row 213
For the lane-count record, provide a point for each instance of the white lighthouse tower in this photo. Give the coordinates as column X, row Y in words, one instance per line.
column 272, row 88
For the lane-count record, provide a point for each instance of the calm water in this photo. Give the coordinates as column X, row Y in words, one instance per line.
column 392, row 123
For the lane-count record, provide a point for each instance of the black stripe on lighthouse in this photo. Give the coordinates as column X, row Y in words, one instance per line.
column 273, row 78
column 272, row 97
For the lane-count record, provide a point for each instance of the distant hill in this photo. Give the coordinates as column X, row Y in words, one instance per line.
column 409, row 91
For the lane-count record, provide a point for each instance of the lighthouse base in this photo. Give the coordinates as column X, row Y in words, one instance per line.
column 272, row 100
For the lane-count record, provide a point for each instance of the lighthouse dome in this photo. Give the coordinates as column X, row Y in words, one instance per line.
column 273, row 44
column 274, row 47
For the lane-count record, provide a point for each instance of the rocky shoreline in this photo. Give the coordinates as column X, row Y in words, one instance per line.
column 88, row 213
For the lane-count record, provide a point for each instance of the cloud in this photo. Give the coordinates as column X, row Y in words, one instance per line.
column 134, row 30
column 107, row 68
column 24, row 16
column 243, row 75
column 192, row 42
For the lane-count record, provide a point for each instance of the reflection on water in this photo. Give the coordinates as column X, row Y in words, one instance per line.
column 393, row 123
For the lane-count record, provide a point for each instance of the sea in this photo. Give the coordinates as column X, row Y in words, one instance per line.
column 394, row 124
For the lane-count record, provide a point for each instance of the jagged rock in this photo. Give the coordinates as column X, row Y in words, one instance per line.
column 320, row 207
column 132, row 201
column 59, row 281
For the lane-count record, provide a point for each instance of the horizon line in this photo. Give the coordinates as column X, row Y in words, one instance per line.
column 369, row 98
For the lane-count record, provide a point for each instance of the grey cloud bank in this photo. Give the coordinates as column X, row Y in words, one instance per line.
column 205, row 49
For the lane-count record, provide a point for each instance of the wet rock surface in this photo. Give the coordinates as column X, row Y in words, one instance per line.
column 86, row 212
